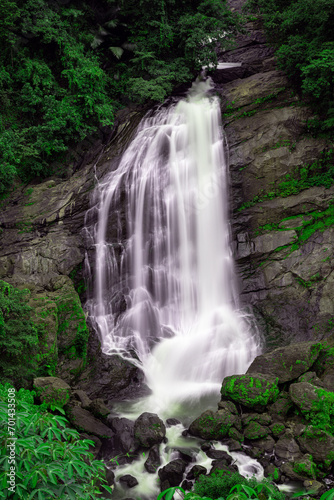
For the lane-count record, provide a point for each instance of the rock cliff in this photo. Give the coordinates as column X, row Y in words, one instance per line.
column 282, row 227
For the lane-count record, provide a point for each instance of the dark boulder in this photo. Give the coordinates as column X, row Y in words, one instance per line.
column 124, row 440
column 172, row 473
column 266, row 444
column 287, row 363
column 233, row 445
column 196, row 471
column 287, row 448
column 220, row 455
column 172, row 421
column 149, row 430
column 153, row 461
column 85, row 421
column 128, row 481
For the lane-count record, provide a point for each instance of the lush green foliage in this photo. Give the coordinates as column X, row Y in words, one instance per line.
column 222, row 484
column 302, row 33
column 19, row 336
column 241, row 491
column 51, row 460
column 67, row 66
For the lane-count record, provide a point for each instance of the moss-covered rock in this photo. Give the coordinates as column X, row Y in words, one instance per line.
column 251, row 390
column 277, row 429
column 305, row 396
column 256, row 431
column 281, row 407
column 319, row 444
column 84, row 421
column 213, row 425
column 260, row 418
column 52, row 390
column 235, row 435
column 287, row 363
column 305, row 467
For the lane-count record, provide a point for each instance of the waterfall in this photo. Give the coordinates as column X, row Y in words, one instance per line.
column 164, row 284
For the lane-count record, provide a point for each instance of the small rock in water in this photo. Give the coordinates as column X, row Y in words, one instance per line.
column 172, row 421
column 172, row 473
column 206, row 446
column 186, row 485
column 221, row 455
column 196, row 471
column 128, row 481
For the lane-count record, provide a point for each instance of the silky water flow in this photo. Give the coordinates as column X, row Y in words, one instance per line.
column 164, row 284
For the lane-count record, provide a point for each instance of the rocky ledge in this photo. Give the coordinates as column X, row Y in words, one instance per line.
column 283, row 231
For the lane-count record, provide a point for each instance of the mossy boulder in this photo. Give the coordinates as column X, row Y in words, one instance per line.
column 84, row 421
column 52, row 390
column 149, row 430
column 319, row 444
column 306, row 397
column 287, row 363
column 251, row 390
column 305, row 467
column 281, row 407
column 277, row 429
column 256, row 431
column 213, row 424
column 235, row 435
column 262, row 419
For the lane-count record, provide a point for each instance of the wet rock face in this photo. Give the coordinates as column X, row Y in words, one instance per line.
column 287, row 283
column 42, row 246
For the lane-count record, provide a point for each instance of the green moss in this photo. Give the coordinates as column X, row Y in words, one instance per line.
column 241, row 388
column 305, row 468
column 319, row 173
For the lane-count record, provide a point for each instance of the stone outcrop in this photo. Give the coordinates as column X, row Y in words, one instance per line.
column 284, row 256
column 42, row 248
column 287, row 362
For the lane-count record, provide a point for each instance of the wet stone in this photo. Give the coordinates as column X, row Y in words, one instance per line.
column 128, row 481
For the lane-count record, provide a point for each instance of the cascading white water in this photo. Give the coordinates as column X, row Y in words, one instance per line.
column 162, row 252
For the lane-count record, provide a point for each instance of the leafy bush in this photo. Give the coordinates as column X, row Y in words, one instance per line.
column 220, row 484
column 66, row 67
column 51, row 459
column 18, row 335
